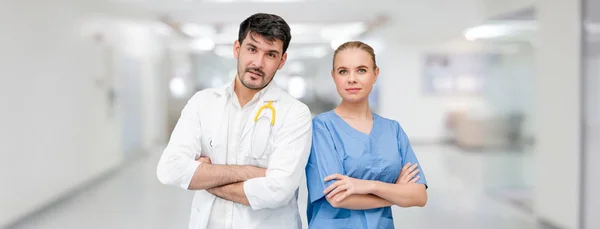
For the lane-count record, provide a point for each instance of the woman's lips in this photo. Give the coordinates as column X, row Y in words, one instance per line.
column 352, row 90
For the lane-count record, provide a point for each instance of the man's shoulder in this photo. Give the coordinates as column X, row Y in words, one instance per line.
column 206, row 94
column 290, row 102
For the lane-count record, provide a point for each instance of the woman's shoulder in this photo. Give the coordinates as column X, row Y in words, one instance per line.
column 324, row 117
column 386, row 121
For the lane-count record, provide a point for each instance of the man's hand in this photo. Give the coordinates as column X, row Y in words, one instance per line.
column 205, row 160
column 407, row 175
column 250, row 171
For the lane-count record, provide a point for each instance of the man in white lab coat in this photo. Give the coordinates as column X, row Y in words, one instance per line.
column 242, row 148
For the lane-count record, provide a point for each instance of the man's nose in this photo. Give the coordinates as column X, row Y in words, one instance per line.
column 258, row 61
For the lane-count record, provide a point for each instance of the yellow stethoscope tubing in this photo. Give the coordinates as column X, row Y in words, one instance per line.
column 269, row 106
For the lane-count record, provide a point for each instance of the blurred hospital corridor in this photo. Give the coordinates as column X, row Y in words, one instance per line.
column 131, row 198
column 500, row 100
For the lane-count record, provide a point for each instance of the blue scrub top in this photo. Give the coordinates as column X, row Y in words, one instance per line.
column 339, row 148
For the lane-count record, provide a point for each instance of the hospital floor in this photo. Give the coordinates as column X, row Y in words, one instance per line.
column 132, row 198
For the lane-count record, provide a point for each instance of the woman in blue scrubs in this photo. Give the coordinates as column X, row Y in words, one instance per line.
column 360, row 163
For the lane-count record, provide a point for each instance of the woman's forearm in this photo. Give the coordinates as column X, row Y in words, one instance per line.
column 359, row 201
column 403, row 195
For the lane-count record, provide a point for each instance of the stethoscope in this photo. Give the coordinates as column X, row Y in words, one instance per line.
column 263, row 125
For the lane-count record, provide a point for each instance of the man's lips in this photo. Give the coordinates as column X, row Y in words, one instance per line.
column 255, row 75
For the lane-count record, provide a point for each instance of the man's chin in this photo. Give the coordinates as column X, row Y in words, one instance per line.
column 254, row 86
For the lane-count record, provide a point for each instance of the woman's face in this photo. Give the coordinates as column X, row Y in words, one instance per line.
column 354, row 74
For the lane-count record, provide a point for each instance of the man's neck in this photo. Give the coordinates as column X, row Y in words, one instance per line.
column 243, row 93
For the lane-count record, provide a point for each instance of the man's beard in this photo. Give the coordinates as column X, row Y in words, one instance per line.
column 262, row 76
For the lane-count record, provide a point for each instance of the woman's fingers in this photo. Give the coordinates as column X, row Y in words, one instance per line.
column 332, row 186
column 414, row 180
column 343, row 196
column 413, row 173
column 406, row 166
column 334, row 176
column 337, row 190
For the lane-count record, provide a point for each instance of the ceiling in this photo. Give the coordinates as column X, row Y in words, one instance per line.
column 406, row 21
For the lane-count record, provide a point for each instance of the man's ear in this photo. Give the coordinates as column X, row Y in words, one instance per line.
column 283, row 60
column 236, row 49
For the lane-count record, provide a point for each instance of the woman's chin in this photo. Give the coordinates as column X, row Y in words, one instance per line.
column 354, row 99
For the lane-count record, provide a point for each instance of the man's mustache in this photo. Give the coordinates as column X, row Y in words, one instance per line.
column 255, row 70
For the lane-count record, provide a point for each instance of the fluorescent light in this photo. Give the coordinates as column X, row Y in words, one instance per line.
column 225, row 51
column 335, row 43
column 497, row 30
column 203, row 44
column 348, row 30
column 297, row 87
column 486, row 31
column 194, row 30
column 310, row 52
column 177, row 87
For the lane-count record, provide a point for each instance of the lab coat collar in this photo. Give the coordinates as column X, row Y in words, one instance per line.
column 270, row 93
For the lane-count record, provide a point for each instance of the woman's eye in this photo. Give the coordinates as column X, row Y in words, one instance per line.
column 362, row 70
column 342, row 72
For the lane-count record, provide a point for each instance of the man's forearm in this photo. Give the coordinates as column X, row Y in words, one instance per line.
column 211, row 175
column 232, row 192
column 359, row 201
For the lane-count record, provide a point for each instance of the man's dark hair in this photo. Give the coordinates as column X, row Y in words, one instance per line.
column 269, row 26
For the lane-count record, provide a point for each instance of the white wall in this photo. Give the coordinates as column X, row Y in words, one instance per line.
column 141, row 43
column 57, row 131
column 591, row 182
column 558, row 124
column 402, row 97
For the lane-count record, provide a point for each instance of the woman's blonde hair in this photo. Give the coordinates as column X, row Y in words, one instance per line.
column 356, row 44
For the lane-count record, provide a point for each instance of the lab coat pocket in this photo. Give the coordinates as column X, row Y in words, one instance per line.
column 255, row 147
column 262, row 162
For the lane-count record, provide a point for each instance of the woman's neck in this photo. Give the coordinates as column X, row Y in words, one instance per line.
column 359, row 110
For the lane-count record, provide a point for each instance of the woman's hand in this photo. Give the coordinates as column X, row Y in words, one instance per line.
column 348, row 184
column 407, row 175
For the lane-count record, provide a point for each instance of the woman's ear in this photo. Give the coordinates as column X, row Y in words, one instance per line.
column 376, row 74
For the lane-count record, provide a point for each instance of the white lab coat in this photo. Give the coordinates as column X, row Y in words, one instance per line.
column 199, row 132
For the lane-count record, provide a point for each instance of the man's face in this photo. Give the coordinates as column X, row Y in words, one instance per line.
column 258, row 60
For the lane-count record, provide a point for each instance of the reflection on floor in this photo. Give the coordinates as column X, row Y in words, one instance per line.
column 133, row 198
